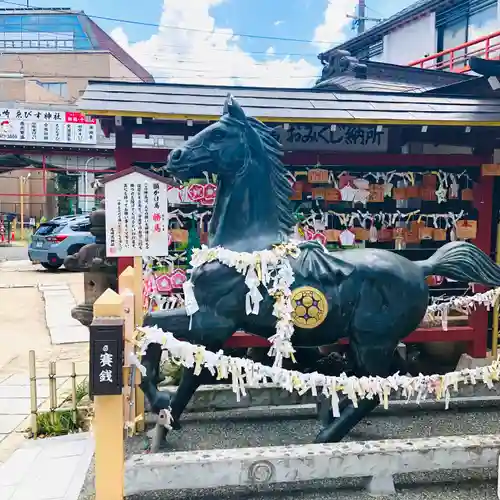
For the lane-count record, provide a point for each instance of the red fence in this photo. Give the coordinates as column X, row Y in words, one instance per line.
column 456, row 59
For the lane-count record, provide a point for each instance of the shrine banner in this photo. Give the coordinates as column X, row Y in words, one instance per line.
column 35, row 125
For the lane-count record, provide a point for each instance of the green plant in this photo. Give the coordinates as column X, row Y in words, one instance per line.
column 57, row 423
column 65, row 185
column 62, row 421
column 82, row 390
column 172, row 371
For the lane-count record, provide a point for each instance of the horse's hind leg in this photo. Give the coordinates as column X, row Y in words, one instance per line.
column 368, row 360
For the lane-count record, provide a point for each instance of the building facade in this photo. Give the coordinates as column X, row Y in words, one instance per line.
column 418, row 34
column 48, row 58
column 51, row 54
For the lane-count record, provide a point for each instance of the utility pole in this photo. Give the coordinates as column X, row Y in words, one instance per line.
column 360, row 18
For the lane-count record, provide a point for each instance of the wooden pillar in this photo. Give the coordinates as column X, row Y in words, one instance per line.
column 126, row 289
column 123, row 147
column 123, row 159
column 483, row 202
column 108, row 423
column 138, row 316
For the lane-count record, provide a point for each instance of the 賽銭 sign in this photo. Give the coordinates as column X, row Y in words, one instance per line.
column 309, row 137
column 106, row 356
column 35, row 125
column 136, row 214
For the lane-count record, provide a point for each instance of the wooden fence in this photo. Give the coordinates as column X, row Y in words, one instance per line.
column 69, row 402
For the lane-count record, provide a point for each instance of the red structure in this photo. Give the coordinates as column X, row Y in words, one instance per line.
column 456, row 59
column 417, row 121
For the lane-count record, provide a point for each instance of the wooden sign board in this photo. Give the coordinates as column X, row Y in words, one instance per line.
column 106, row 357
column 490, row 169
column 136, row 214
column 342, row 138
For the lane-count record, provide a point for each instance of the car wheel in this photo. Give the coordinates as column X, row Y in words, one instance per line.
column 74, row 249
column 50, row 267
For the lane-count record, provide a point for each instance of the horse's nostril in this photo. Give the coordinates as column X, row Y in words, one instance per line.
column 176, row 155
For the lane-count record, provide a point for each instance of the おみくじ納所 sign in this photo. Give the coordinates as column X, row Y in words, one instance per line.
column 342, row 138
column 136, row 214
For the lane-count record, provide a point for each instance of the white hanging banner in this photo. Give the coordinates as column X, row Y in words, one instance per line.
column 136, row 214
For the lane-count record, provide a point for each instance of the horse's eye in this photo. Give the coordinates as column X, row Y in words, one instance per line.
column 218, row 135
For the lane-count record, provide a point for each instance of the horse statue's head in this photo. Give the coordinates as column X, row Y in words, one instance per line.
column 253, row 189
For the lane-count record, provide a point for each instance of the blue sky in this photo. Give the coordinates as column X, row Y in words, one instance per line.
column 196, row 54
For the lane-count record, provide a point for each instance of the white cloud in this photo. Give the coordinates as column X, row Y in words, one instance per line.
column 330, row 31
column 277, row 23
column 212, row 56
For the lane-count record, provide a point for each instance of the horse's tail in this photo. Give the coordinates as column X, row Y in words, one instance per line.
column 462, row 261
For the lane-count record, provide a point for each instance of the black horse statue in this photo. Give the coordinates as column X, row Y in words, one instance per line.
column 375, row 298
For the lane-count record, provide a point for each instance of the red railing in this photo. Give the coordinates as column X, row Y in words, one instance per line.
column 455, row 59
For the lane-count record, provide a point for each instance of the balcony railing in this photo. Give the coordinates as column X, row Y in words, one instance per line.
column 456, row 59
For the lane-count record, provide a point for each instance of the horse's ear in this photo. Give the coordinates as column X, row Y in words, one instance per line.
column 232, row 108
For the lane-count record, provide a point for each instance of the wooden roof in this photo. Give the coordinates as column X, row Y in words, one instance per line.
column 176, row 102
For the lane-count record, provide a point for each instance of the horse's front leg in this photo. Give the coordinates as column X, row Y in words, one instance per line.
column 177, row 322
column 203, row 328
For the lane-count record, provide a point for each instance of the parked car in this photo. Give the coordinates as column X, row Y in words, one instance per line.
column 58, row 238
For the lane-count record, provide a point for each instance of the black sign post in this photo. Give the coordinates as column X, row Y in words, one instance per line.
column 106, row 357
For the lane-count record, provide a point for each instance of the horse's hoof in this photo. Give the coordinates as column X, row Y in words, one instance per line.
column 162, row 401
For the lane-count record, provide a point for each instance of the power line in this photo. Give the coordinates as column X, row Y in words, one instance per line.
column 196, row 30
column 74, row 36
column 132, row 79
column 376, row 12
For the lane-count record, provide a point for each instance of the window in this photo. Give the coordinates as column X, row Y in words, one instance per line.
column 483, row 23
column 452, row 36
column 58, row 88
column 50, row 32
column 463, row 21
column 375, row 50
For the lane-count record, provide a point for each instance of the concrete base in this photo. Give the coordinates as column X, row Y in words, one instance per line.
column 469, row 362
column 378, row 460
column 221, row 397
column 380, row 486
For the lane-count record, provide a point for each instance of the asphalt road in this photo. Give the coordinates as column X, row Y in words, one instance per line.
column 201, row 433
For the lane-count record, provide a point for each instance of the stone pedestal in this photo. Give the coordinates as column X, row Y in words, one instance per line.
column 100, row 272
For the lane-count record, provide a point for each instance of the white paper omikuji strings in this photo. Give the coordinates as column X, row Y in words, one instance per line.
column 246, row 372
column 272, row 269
column 268, row 268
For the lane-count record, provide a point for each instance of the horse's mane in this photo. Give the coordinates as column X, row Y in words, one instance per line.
column 278, row 174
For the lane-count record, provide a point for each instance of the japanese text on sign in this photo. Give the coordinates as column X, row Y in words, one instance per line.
column 33, row 125
column 338, row 138
column 136, row 216
column 106, row 356
column 106, row 365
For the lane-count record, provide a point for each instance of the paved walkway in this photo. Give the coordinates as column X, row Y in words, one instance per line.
column 47, row 469
column 35, row 314
column 63, row 328
column 23, row 318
